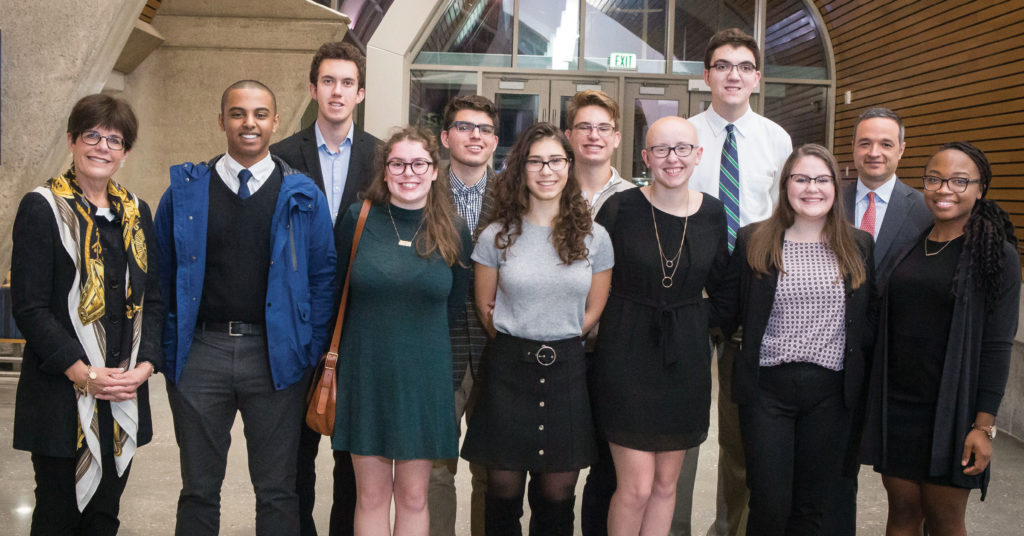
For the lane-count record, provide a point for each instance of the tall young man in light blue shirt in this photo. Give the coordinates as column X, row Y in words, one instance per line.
column 338, row 156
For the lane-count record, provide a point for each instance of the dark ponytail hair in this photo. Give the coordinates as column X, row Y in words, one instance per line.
column 987, row 228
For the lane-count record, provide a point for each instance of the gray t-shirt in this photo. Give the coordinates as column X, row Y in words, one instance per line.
column 539, row 297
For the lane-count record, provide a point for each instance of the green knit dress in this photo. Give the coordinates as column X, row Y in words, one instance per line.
column 395, row 396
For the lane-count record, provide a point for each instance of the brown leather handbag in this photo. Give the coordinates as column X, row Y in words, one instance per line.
column 322, row 399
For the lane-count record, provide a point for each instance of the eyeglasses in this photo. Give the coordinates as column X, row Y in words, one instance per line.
column 419, row 167
column 804, row 180
column 956, row 184
column 557, row 163
column 91, row 137
column 602, row 128
column 681, row 150
column 465, row 127
column 724, row 67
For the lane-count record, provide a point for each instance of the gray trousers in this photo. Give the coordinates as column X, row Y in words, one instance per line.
column 226, row 375
column 441, row 497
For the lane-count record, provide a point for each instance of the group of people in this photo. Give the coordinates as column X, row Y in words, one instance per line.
column 570, row 316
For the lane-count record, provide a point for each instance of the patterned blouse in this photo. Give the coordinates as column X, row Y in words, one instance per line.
column 807, row 323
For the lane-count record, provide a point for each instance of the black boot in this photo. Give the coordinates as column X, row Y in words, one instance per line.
column 552, row 518
column 501, row 516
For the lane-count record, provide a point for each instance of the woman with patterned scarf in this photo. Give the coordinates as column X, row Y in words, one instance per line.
column 86, row 296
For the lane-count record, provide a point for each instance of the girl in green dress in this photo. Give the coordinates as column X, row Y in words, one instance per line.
column 395, row 402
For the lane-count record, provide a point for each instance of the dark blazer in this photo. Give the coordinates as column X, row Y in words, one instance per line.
column 906, row 217
column 46, row 411
column 974, row 373
column 466, row 327
column 756, row 298
column 300, row 152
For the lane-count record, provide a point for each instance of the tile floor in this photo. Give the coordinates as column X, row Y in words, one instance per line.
column 148, row 504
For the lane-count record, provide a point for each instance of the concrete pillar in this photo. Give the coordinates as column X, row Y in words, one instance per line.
column 51, row 54
column 387, row 64
column 55, row 52
column 207, row 46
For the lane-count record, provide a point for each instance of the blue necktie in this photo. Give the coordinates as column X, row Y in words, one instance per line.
column 729, row 184
column 243, row 188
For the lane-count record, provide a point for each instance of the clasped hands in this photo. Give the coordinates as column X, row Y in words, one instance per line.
column 113, row 384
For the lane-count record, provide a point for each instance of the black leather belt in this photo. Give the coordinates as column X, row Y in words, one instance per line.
column 234, row 329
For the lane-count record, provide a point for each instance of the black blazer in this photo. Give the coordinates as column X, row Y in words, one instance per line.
column 906, row 217
column 300, row 152
column 756, row 298
column 46, row 412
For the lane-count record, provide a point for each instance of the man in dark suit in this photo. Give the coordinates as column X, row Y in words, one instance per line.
column 895, row 215
column 469, row 135
column 879, row 202
column 339, row 158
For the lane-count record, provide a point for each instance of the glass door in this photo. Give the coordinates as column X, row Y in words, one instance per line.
column 645, row 103
column 563, row 90
column 523, row 101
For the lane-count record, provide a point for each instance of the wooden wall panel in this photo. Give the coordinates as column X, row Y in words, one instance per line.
column 952, row 69
column 149, row 11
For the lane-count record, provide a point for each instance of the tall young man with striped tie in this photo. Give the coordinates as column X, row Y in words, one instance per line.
column 743, row 155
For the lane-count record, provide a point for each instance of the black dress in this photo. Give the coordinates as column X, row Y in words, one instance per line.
column 652, row 367
column 920, row 311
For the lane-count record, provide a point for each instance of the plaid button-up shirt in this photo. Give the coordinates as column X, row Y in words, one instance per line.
column 467, row 333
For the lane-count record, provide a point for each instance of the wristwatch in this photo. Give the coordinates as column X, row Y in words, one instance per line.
column 990, row 431
column 84, row 389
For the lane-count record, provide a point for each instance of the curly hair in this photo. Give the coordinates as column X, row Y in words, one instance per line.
column 512, row 199
column 441, row 233
column 987, row 228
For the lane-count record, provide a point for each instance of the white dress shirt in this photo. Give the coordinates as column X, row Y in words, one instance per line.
column 228, row 169
column 762, row 147
column 882, row 195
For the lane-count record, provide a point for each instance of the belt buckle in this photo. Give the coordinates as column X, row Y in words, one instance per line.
column 546, row 355
column 231, row 329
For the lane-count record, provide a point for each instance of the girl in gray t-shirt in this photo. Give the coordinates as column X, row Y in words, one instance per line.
column 542, row 276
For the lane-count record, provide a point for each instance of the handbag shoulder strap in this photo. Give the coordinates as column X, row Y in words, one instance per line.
column 336, row 339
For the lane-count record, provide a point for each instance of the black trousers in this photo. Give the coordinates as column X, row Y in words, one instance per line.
column 794, row 437
column 56, row 512
column 841, row 508
column 343, row 509
column 597, row 493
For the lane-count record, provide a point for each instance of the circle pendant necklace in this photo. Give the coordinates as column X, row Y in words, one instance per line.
column 673, row 263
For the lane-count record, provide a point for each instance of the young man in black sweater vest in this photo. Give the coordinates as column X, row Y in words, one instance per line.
column 247, row 266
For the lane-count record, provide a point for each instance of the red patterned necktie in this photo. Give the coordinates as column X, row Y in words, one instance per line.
column 867, row 222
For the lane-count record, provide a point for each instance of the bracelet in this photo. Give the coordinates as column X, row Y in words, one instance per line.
column 89, row 377
column 989, row 430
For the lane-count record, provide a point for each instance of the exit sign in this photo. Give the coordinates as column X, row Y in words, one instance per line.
column 622, row 61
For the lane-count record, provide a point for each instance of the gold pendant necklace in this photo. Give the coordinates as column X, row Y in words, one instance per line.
column 934, row 253
column 403, row 243
column 673, row 263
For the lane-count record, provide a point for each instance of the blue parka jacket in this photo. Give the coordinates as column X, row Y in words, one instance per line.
column 300, row 288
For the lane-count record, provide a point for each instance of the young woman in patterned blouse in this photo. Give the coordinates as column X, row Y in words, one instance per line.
column 805, row 288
